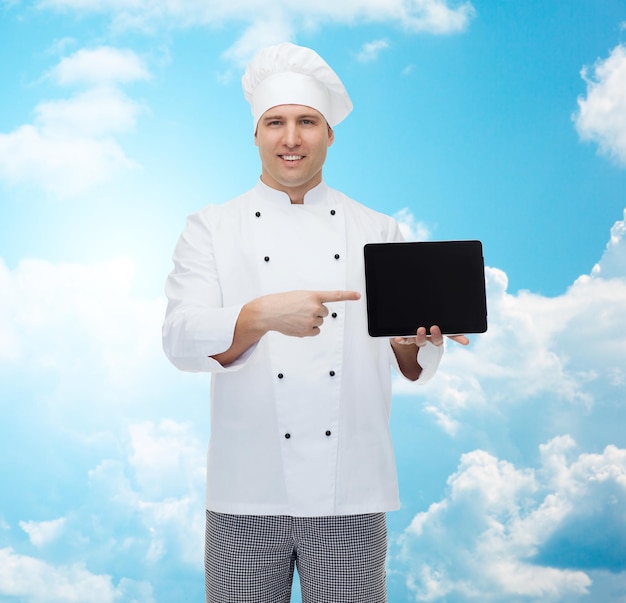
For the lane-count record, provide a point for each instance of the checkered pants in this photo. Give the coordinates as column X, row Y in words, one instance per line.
column 251, row 558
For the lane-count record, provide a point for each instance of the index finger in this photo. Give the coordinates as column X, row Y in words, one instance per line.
column 462, row 339
column 337, row 296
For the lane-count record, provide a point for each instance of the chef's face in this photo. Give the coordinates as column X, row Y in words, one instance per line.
column 292, row 141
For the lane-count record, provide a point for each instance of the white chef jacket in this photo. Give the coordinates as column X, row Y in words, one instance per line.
column 299, row 426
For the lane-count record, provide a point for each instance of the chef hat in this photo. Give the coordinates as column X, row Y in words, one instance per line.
column 287, row 74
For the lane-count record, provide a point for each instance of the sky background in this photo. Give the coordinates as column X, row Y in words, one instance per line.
column 499, row 120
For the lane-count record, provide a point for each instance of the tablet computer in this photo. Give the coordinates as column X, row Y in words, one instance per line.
column 410, row 285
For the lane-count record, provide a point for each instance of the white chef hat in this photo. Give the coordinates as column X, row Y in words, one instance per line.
column 287, row 74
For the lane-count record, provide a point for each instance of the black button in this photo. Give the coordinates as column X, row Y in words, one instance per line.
column 280, row 375
column 332, row 212
column 287, row 436
column 258, row 214
column 337, row 256
column 267, row 258
column 329, row 433
column 334, row 314
column 332, row 373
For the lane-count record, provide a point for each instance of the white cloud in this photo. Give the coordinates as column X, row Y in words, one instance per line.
column 437, row 16
column 430, row 16
column 41, row 533
column 601, row 117
column 71, row 146
column 80, row 325
column 568, row 349
column 89, row 115
column 41, row 300
column 100, row 66
column 61, row 46
column 177, row 530
column 166, row 458
column 411, row 229
column 371, row 50
column 161, row 483
column 505, row 534
column 35, row 580
column 259, row 35
column 169, row 463
column 143, row 509
column 65, row 167
column 613, row 262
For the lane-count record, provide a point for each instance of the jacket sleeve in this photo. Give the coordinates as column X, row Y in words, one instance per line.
column 196, row 324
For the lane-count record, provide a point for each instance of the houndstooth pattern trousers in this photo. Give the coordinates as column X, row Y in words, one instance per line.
column 251, row 558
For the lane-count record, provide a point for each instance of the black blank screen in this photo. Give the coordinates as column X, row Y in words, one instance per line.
column 409, row 285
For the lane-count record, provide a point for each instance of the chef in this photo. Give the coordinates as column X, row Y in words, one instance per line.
column 266, row 294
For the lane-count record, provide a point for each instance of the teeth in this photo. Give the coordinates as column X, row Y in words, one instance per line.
column 292, row 157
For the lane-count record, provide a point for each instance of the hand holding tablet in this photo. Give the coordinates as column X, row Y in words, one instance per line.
column 433, row 334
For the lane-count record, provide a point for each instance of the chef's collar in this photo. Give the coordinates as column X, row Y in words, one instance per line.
column 315, row 196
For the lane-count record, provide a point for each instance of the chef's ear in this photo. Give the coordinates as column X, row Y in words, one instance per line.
column 331, row 135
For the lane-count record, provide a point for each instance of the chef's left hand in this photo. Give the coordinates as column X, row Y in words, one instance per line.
column 435, row 337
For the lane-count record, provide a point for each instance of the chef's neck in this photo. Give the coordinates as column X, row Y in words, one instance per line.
column 296, row 193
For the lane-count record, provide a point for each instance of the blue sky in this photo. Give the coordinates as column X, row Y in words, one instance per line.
column 502, row 121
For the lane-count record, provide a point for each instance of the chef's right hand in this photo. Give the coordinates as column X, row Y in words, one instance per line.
column 299, row 313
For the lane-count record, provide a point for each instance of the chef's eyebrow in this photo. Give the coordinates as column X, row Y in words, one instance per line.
column 301, row 116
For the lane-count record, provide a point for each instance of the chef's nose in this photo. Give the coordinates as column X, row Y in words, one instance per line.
column 291, row 135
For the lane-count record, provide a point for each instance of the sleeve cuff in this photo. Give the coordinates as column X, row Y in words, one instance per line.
column 429, row 357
